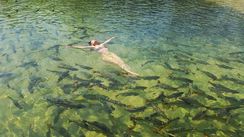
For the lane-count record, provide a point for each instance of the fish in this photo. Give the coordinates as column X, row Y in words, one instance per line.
column 207, row 131
column 56, row 114
column 108, row 76
column 94, row 126
column 164, row 124
column 96, row 82
column 115, row 85
column 232, row 100
column 95, row 97
column 186, row 80
column 168, row 66
column 68, row 88
column 100, row 126
column 185, row 62
column 225, row 60
column 139, row 88
column 18, row 91
column 14, row 48
column 74, row 43
column 147, row 62
column 237, row 81
column 100, row 85
column 226, row 110
column 84, row 67
column 34, row 81
column 107, row 107
column 189, row 59
column 242, row 101
column 154, row 114
column 37, row 10
column 180, row 54
column 49, row 133
column 16, row 103
column 63, row 75
column 150, row 77
column 84, row 30
column 80, row 31
column 6, row 57
column 238, row 53
column 143, row 119
column 152, row 119
column 159, row 99
column 212, row 76
column 179, row 130
column 56, row 48
column 64, row 103
column 175, row 95
column 29, row 64
column 103, row 98
column 128, row 94
column 136, row 109
column 87, row 75
column 192, row 102
column 200, row 115
column 221, row 88
column 55, row 58
column 183, row 85
column 156, row 122
column 6, row 74
column 167, row 87
column 83, row 83
column 61, row 130
column 90, row 83
column 200, row 92
column 224, row 66
column 201, row 62
column 67, row 67
column 54, row 71
column 85, row 36
column 237, row 60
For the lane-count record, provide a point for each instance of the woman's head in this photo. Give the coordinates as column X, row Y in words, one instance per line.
column 94, row 43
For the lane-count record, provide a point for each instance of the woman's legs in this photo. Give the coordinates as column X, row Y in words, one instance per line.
column 113, row 58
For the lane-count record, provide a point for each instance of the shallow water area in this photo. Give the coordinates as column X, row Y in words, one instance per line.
column 189, row 54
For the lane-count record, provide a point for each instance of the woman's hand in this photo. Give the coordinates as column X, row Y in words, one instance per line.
column 105, row 42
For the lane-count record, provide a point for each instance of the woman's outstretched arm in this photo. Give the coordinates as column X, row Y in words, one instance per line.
column 80, row 47
column 105, row 42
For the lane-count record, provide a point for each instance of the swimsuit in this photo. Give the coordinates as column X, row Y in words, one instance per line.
column 101, row 49
column 113, row 58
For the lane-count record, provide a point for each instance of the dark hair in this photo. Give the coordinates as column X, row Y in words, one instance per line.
column 89, row 43
column 95, row 43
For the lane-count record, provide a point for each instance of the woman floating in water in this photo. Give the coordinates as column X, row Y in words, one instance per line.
column 107, row 55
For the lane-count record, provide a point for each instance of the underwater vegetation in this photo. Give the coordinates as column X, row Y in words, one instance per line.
column 189, row 55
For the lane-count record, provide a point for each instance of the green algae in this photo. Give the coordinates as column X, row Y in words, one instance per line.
column 191, row 80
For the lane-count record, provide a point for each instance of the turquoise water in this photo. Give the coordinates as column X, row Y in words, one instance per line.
column 189, row 55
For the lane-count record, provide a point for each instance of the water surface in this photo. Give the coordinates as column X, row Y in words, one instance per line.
column 189, row 54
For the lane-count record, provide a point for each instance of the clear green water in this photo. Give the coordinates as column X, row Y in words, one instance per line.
column 190, row 56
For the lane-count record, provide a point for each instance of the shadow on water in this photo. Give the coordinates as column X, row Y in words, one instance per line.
column 189, row 54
